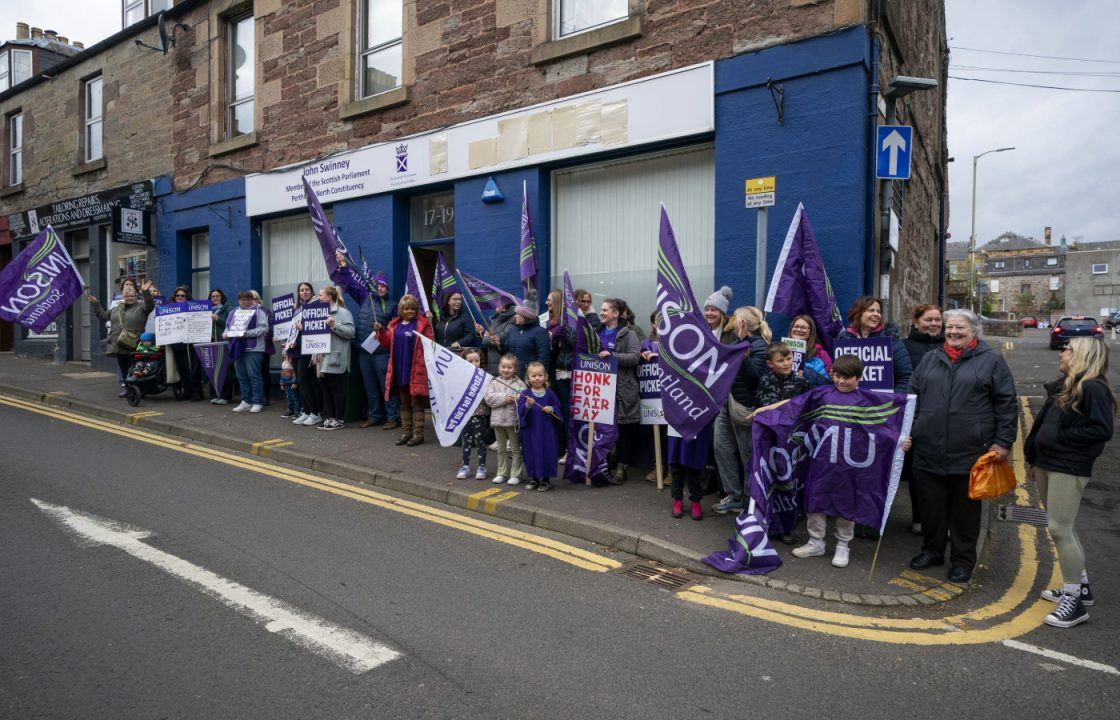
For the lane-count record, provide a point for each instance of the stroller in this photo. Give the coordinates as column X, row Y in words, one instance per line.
column 147, row 376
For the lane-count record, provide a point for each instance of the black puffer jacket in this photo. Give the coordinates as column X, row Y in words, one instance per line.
column 457, row 328
column 745, row 386
column 918, row 344
column 963, row 408
column 1069, row 442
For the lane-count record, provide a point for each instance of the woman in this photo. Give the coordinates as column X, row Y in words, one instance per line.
column 408, row 375
column 126, row 323
column 865, row 320
column 266, row 356
column 816, row 366
column 966, row 407
column 455, row 327
column 500, row 323
column 334, row 364
column 219, row 311
column 560, row 359
column 525, row 339
column 1068, row 434
column 617, row 340
column 247, row 348
column 925, row 335
column 190, row 381
column 733, row 443
column 310, row 390
column 583, row 301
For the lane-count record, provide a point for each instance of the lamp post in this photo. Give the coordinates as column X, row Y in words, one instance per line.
column 972, row 235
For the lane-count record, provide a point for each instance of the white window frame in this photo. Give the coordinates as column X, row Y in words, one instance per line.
column 232, row 101
column 94, row 123
column 999, row 264
column 1055, row 282
column 12, row 66
column 369, row 50
column 1103, row 268
column 200, row 241
column 1027, row 263
column 1051, row 262
column 15, row 149
column 994, row 287
column 127, row 5
column 557, row 15
column 7, row 69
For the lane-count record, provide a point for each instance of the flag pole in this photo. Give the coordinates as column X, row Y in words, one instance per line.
column 518, row 392
column 590, row 450
column 875, row 558
column 658, row 468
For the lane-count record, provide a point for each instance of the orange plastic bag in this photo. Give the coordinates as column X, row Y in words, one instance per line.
column 990, row 477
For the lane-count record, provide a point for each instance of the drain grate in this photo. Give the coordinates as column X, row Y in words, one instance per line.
column 1023, row 514
column 655, row 575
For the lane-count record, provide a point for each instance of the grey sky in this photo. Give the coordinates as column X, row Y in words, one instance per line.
column 1065, row 171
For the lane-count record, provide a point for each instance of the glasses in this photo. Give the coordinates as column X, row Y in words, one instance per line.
column 182, row 295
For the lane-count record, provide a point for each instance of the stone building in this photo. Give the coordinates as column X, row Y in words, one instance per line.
column 1024, row 276
column 1093, row 279
column 956, row 275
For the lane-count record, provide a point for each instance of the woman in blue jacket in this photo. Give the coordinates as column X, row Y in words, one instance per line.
column 865, row 320
column 526, row 339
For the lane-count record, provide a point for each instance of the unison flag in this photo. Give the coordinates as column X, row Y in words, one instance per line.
column 412, row 283
column 529, row 267
column 489, row 297
column 696, row 368
column 455, row 389
column 328, row 241
column 443, row 286
column 586, row 339
column 39, row 283
column 214, row 358
column 824, row 451
column 800, row 283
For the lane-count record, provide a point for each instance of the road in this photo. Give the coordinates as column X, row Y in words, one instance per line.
column 485, row 619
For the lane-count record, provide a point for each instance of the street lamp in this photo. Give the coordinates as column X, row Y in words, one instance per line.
column 972, row 235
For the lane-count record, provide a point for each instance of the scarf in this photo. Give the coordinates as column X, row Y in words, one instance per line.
column 955, row 353
column 855, row 330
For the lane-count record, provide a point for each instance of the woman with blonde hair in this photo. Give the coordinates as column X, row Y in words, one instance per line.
column 408, row 375
column 334, row 364
column 1068, row 434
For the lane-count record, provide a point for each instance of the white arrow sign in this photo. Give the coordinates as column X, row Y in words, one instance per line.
column 345, row 648
column 894, row 142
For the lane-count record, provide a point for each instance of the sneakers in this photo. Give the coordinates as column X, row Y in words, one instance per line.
column 287, row 414
column 499, row 480
column 697, row 511
column 1071, row 611
column 242, row 407
column 331, row 424
column 220, row 401
column 255, row 408
column 300, row 418
column 840, row 557
column 726, row 505
column 480, row 474
column 312, row 419
column 464, row 470
column 513, row 481
column 1056, row 595
column 678, row 509
column 545, row 486
column 813, row 548
column 532, row 485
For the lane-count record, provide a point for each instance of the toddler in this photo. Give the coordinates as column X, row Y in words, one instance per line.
column 290, row 386
column 538, row 411
column 474, row 434
column 501, row 398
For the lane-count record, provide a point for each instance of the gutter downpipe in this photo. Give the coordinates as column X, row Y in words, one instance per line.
column 872, row 121
column 941, row 252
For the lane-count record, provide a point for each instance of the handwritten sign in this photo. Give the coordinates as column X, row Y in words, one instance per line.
column 185, row 322
column 316, row 335
column 594, row 384
column 877, row 355
column 240, row 322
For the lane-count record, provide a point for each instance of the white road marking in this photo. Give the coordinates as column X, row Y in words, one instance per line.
column 345, row 648
column 1055, row 655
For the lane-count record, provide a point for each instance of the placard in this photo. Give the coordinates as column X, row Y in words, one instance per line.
column 240, row 322
column 799, row 349
column 184, row 322
column 371, row 343
column 594, row 384
column 877, row 355
column 649, row 392
column 283, row 313
column 316, row 335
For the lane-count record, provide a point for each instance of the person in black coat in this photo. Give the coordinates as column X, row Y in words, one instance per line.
column 526, row 340
column 454, row 328
column 966, row 407
column 1070, row 433
column 925, row 335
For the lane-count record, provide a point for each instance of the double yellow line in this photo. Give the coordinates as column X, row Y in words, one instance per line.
column 545, row 546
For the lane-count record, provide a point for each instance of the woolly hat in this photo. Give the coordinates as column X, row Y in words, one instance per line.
column 147, row 337
column 720, row 300
column 526, row 312
column 380, row 279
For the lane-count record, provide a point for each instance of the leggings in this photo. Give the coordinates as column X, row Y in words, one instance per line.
column 310, row 394
column 124, row 362
column 629, row 447
column 683, row 475
column 334, row 395
column 1061, row 494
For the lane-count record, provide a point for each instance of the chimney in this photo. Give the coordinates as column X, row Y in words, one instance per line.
column 50, row 35
column 1047, row 234
column 23, row 31
column 64, row 40
column 36, row 34
column 80, row 46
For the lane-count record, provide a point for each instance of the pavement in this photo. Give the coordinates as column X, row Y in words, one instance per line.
column 632, row 518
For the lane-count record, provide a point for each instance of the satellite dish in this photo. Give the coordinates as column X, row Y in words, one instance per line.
column 167, row 32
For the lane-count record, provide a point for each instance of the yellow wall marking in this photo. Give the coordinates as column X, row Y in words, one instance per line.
column 475, row 499
column 491, row 503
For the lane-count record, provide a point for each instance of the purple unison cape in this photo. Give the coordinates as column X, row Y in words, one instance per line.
column 538, row 434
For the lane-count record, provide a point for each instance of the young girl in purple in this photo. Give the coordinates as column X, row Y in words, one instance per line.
column 538, row 409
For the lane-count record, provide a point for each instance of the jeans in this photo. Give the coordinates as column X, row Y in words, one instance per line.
column 733, row 447
column 248, row 367
column 291, row 395
column 374, row 368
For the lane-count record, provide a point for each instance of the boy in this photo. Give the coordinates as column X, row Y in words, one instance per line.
column 290, row 387
column 781, row 383
column 145, row 368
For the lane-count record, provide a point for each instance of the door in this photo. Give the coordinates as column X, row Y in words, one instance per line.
column 79, row 251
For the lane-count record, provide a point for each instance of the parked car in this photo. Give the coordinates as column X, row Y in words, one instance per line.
column 1073, row 326
column 1112, row 320
column 1029, row 321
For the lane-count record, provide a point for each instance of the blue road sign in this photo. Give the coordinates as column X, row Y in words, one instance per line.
column 892, row 152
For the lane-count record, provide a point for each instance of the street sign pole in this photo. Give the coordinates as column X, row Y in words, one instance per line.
column 760, row 259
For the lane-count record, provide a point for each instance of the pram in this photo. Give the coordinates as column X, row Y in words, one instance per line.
column 147, row 376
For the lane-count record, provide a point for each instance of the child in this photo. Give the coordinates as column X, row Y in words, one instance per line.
column 538, row 410
column 780, row 383
column 145, row 368
column 687, row 459
column 501, row 398
column 474, row 434
column 290, row 387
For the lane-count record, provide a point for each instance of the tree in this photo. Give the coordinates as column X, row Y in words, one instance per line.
column 1025, row 304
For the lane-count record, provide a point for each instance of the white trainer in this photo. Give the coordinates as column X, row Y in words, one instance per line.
column 480, row 474
column 256, row 408
column 513, row 481
column 840, row 557
column 813, row 548
column 242, row 407
column 299, row 420
column 499, row 480
column 312, row 419
column 464, row 470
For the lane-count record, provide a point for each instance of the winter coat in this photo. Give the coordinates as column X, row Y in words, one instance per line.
column 500, row 323
column 918, row 344
column 772, row 389
column 963, row 408
column 371, row 307
column 561, row 348
column 627, row 350
column 418, row 378
column 256, row 338
column 903, row 367
column 337, row 361
column 529, row 343
column 456, row 329
column 123, row 317
column 219, row 325
column 744, row 388
column 1068, row 442
column 503, row 412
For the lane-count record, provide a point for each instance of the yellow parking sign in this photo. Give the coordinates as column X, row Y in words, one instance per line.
column 760, row 192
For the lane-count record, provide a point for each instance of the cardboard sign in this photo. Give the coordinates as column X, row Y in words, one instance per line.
column 877, row 355
column 649, row 392
column 316, row 335
column 799, row 350
column 240, row 322
column 283, row 312
column 185, row 322
column 594, row 384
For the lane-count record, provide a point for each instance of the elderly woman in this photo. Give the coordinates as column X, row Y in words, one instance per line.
column 126, row 322
column 408, row 375
column 619, row 341
column 865, row 320
column 334, row 365
column 966, row 407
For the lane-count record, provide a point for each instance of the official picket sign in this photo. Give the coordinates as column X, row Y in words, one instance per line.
column 283, row 313
column 877, row 355
column 185, row 322
column 649, row 392
column 316, row 335
column 594, row 384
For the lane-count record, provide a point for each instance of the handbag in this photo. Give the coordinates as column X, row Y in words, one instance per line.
column 740, row 414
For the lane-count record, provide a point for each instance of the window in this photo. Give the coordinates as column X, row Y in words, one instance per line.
column 1024, row 289
column 200, row 264
column 1000, row 264
column 21, row 66
column 432, row 217
column 379, row 67
column 93, row 148
column 1051, row 262
column 1100, row 268
column 1026, row 263
column 15, row 149
column 133, row 11
column 241, row 75
column 3, row 72
column 157, row 6
column 1055, row 283
column 995, row 286
column 576, row 16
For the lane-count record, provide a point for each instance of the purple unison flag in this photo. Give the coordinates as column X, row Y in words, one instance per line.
column 696, row 368
column 586, row 339
column 575, row 468
column 800, row 284
column 328, row 241
column 443, row 286
column 39, row 283
column 488, row 297
column 214, row 358
column 839, row 451
column 412, row 283
column 529, row 267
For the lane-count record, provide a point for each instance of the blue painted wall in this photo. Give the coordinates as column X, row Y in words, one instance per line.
column 235, row 244
column 379, row 227
column 818, row 154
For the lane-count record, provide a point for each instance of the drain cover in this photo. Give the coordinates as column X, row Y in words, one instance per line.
column 655, row 575
column 1023, row 514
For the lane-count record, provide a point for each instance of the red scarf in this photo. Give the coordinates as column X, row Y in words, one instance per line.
column 955, row 353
